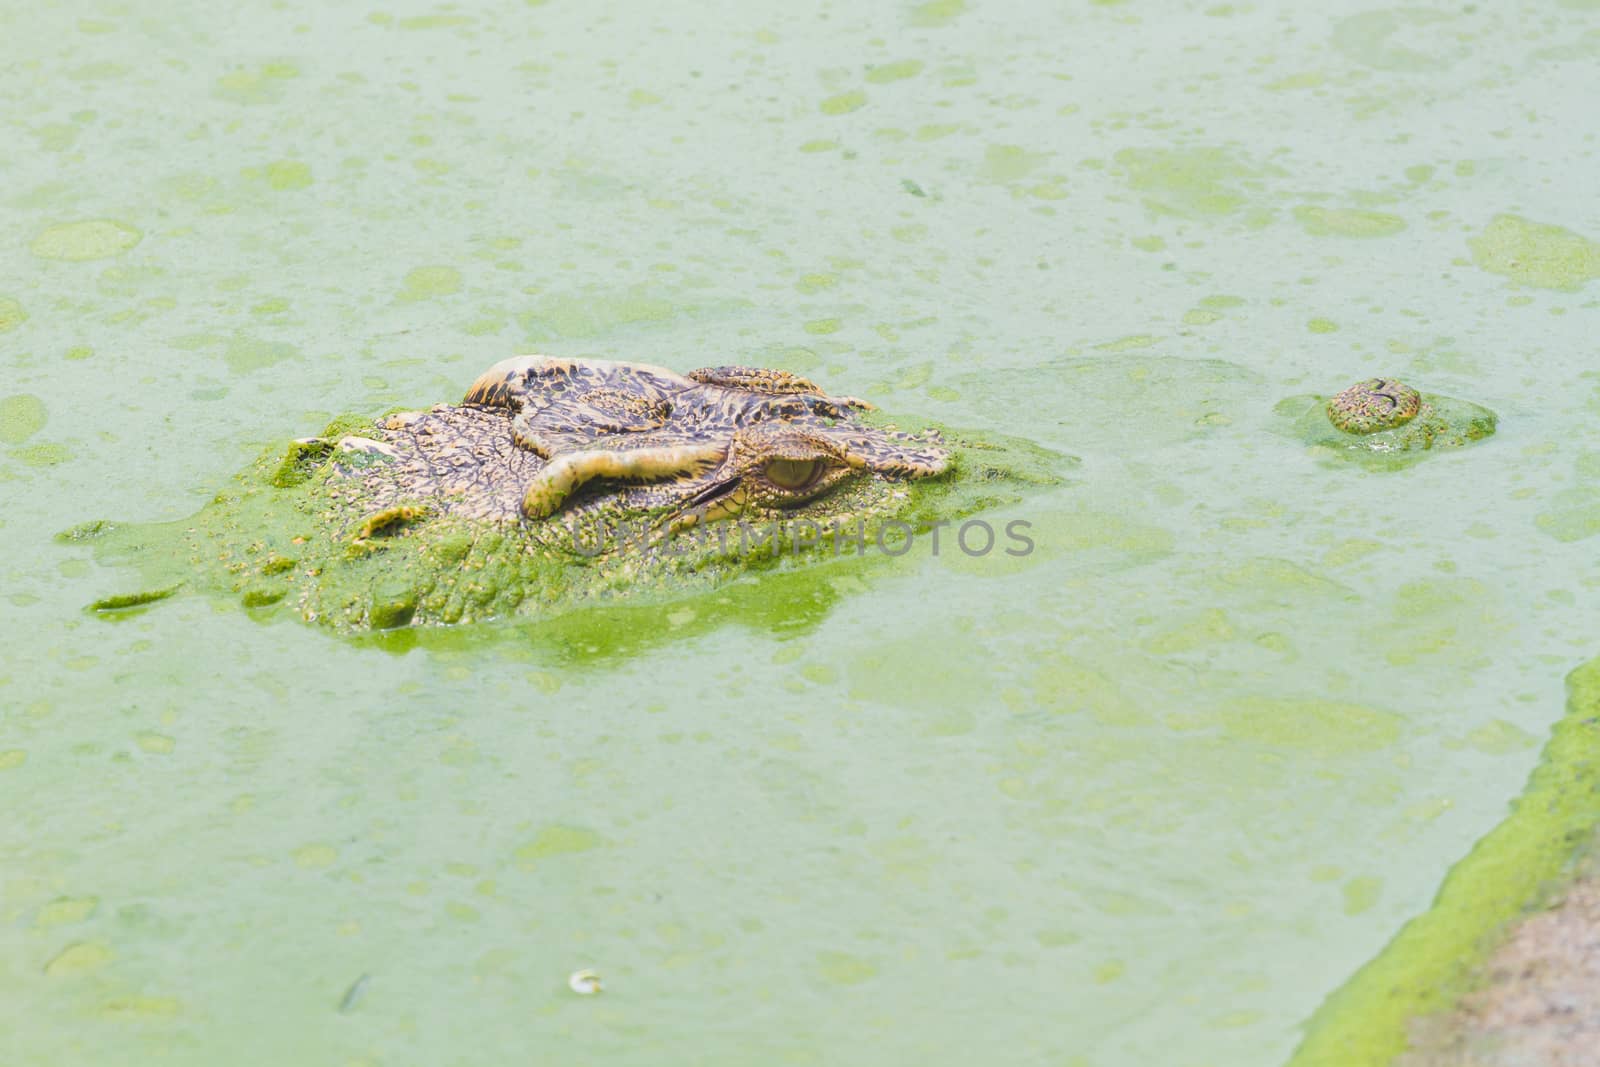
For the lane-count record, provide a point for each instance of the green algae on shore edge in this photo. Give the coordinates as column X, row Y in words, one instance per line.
column 1508, row 873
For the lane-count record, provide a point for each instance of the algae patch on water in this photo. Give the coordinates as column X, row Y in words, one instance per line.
column 1328, row 222
column 1536, row 253
column 21, row 416
column 124, row 601
column 12, row 314
column 76, row 242
column 1201, row 183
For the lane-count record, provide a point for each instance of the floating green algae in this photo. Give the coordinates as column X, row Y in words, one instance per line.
column 123, row 601
column 12, row 314
column 1192, row 183
column 1536, row 253
column 283, row 175
column 935, row 13
column 1573, row 514
column 261, row 86
column 893, row 72
column 1513, row 869
column 21, row 417
column 1322, row 725
column 425, row 283
column 843, row 103
column 76, row 242
column 1330, row 222
column 1008, row 162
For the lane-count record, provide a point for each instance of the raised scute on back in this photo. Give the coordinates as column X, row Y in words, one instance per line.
column 515, row 376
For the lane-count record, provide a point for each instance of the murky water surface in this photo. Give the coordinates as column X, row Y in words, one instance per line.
column 1143, row 797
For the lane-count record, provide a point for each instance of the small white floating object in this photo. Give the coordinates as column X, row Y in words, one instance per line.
column 584, row 983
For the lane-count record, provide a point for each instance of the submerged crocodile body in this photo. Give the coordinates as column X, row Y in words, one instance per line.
column 556, row 481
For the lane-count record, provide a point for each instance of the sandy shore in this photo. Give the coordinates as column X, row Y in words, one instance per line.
column 1535, row 1000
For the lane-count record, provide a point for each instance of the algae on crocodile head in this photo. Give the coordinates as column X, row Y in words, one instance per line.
column 363, row 528
column 1383, row 424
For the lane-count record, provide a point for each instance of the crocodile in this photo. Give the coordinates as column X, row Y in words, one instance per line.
column 557, row 481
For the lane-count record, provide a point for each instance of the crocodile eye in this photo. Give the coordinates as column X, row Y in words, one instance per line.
column 792, row 473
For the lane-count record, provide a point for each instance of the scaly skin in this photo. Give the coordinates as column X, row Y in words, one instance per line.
column 1373, row 405
column 580, row 440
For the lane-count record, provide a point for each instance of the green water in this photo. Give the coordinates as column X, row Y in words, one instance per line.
column 1145, row 796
